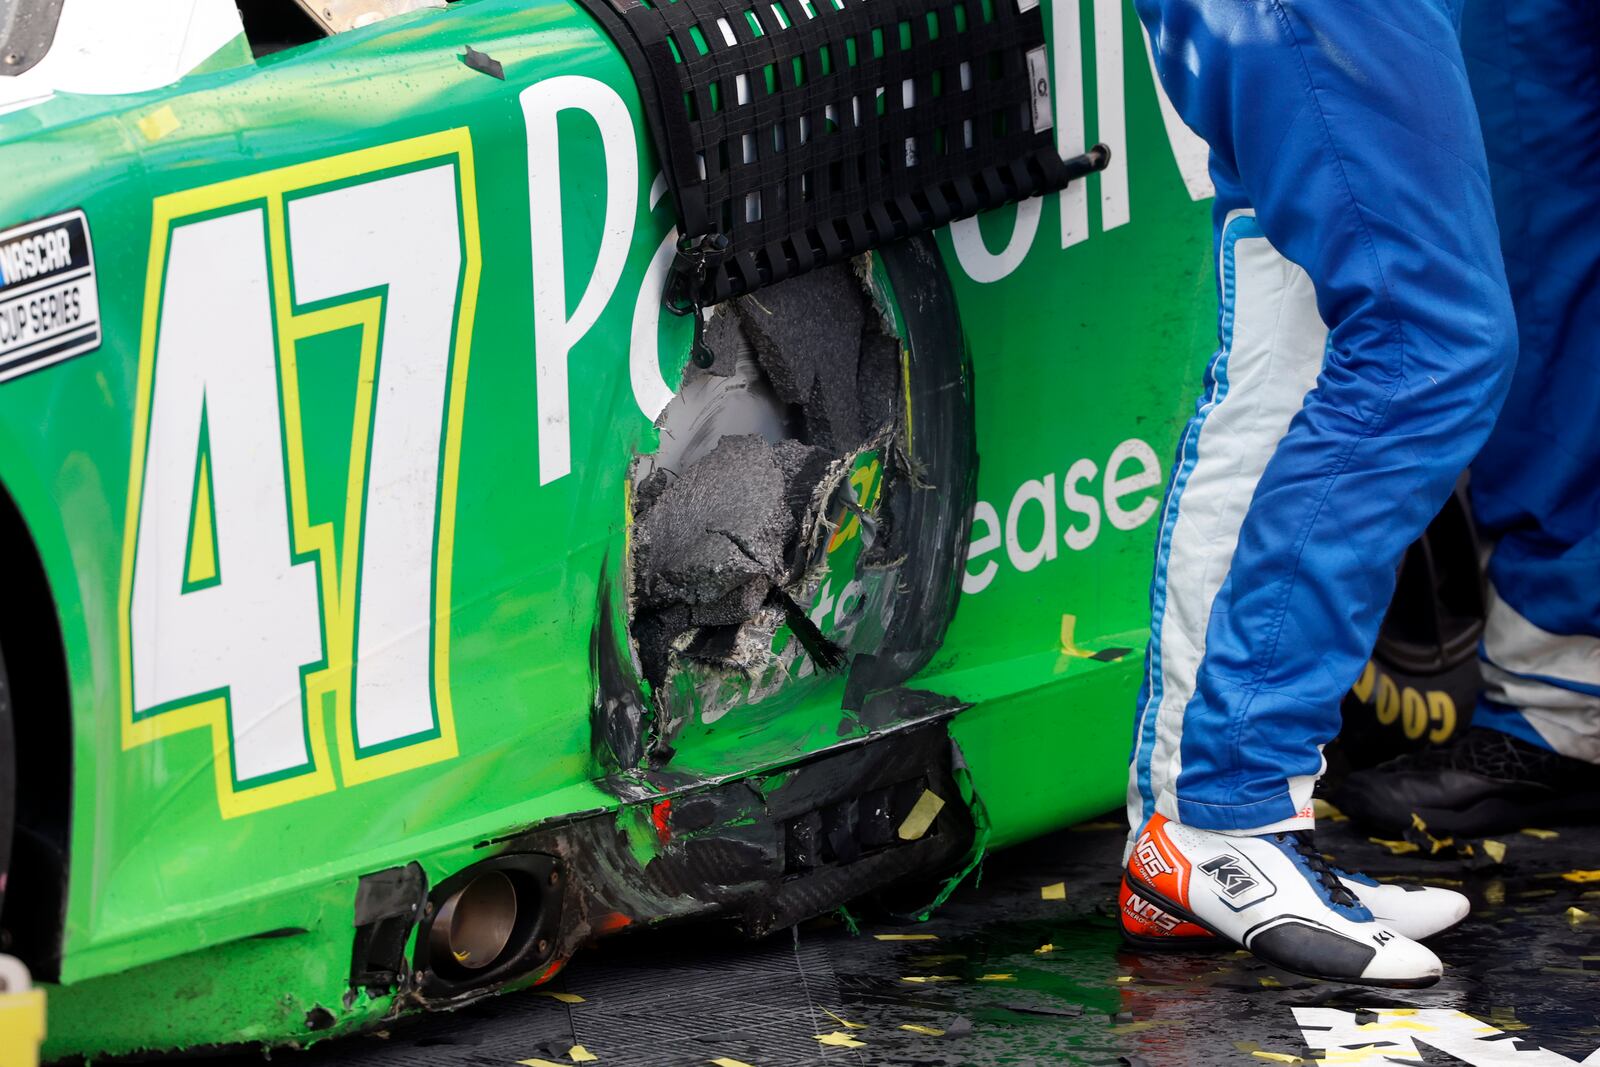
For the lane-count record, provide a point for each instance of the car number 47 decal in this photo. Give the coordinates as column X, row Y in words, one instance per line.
column 291, row 504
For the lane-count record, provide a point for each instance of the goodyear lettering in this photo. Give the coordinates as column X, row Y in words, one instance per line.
column 1418, row 713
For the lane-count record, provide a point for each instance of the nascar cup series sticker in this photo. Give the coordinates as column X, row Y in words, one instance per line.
column 49, row 305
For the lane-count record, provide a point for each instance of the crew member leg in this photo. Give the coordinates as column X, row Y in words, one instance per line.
column 1535, row 70
column 1535, row 66
column 1366, row 342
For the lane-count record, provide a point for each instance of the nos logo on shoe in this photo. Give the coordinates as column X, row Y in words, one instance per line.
column 1239, row 881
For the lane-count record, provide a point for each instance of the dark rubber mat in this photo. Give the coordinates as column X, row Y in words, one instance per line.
column 1016, row 971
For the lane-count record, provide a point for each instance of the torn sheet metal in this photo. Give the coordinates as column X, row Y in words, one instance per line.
column 765, row 454
column 790, row 524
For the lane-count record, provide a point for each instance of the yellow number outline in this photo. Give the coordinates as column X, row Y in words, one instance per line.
column 337, row 571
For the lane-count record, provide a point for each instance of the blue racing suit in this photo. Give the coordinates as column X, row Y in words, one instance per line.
column 1535, row 69
column 1366, row 343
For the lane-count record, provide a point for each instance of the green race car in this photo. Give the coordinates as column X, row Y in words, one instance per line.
column 395, row 606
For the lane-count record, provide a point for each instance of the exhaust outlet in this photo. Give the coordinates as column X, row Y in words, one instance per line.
column 490, row 923
column 475, row 924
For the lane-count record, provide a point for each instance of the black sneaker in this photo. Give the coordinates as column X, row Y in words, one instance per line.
column 1485, row 782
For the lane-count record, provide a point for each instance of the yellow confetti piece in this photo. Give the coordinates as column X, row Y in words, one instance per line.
column 1271, row 983
column 1542, row 835
column 1417, row 823
column 1495, row 850
column 159, row 123
column 1069, row 647
column 539, row 1063
column 1398, row 848
column 579, row 1054
column 928, row 1030
column 1275, row 1057
column 1044, row 950
column 1365, row 1055
column 1506, row 1019
column 842, row 1021
column 565, row 998
column 1323, row 810
column 906, row 937
column 923, row 812
column 725, row 1061
column 925, row 978
column 840, row 1039
column 1578, row 915
column 1124, row 977
column 997, row 978
column 1582, row 876
column 1053, row 891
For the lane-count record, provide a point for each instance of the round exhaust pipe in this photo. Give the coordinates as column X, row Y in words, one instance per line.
column 490, row 923
column 475, row 923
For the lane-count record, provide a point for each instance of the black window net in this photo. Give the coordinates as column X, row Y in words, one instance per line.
column 797, row 133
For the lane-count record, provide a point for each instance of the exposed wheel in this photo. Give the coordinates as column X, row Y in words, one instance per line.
column 1422, row 682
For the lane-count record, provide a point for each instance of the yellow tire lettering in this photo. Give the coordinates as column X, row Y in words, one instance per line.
column 1388, row 700
column 1363, row 687
column 1442, row 714
column 1415, row 710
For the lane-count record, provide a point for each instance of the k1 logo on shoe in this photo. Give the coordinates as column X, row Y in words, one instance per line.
column 1230, row 875
column 1239, row 882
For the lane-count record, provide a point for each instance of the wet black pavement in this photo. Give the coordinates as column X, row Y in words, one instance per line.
column 1027, row 967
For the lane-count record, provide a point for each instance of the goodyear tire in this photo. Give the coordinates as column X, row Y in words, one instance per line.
column 1422, row 682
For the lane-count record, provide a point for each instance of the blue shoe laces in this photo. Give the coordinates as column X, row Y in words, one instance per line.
column 1300, row 848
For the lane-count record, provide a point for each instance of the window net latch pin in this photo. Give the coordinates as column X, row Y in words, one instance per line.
column 697, row 257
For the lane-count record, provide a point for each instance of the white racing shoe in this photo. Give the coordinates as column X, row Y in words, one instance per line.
column 1276, row 896
column 1415, row 911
